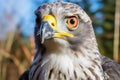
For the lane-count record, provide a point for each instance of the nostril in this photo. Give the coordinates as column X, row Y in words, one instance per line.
column 52, row 24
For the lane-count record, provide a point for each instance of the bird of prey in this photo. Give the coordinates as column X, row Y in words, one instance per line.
column 66, row 47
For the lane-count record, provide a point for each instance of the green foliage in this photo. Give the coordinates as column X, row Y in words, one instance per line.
column 106, row 39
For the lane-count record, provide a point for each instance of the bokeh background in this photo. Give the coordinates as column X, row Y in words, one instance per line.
column 17, row 21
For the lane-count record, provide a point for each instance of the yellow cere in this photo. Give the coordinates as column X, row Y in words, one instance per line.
column 51, row 20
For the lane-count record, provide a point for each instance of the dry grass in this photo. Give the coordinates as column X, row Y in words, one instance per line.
column 15, row 56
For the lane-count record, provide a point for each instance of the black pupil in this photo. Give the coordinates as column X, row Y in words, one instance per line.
column 72, row 21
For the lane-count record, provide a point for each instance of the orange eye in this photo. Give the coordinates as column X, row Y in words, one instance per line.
column 72, row 22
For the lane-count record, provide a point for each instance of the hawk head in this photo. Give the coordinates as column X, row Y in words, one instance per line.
column 65, row 24
column 66, row 47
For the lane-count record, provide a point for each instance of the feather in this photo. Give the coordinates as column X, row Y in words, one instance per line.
column 111, row 68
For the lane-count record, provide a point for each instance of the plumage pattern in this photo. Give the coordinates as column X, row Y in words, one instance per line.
column 71, row 58
column 111, row 68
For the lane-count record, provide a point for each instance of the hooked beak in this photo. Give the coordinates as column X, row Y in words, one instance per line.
column 48, row 29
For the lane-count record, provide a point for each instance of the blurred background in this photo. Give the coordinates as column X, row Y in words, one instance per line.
column 17, row 21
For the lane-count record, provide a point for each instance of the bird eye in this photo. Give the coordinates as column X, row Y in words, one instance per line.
column 72, row 22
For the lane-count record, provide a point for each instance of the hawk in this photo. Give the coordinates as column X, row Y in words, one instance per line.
column 66, row 47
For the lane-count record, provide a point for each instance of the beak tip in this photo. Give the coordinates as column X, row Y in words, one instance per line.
column 46, row 31
column 42, row 41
